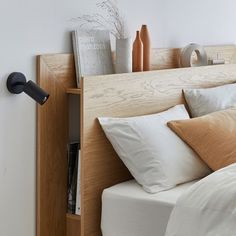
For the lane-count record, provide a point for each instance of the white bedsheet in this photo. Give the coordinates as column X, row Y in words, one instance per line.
column 207, row 208
column 127, row 210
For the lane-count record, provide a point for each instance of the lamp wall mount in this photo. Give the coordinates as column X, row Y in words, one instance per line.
column 17, row 83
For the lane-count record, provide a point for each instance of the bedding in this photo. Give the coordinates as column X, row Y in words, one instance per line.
column 204, row 101
column 127, row 210
column 212, row 137
column 156, row 157
column 207, row 208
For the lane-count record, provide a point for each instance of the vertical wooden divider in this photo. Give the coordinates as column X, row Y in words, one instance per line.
column 55, row 75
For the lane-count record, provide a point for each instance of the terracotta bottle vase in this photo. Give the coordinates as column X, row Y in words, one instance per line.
column 144, row 34
column 137, row 53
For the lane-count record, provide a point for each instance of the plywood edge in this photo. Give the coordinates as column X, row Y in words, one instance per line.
column 82, row 169
column 38, row 176
column 42, row 70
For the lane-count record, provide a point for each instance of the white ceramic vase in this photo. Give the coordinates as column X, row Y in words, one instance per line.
column 123, row 55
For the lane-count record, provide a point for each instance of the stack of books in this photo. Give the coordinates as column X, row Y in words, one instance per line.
column 73, row 190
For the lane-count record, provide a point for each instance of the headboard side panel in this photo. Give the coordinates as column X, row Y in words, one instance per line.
column 122, row 96
column 55, row 74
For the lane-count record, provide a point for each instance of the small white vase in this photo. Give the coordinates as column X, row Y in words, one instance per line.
column 123, row 55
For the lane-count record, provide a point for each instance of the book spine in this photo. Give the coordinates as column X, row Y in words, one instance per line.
column 72, row 176
column 77, row 207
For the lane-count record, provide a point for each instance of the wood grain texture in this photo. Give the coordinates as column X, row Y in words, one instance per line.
column 73, row 90
column 111, row 95
column 168, row 58
column 72, row 225
column 55, row 75
column 123, row 96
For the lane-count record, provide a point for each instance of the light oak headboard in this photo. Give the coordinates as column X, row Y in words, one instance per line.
column 111, row 95
column 123, row 96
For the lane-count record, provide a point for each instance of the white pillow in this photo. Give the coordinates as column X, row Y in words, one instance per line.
column 156, row 157
column 204, row 101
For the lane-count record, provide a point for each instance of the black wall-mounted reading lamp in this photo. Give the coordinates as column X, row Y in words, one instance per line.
column 16, row 83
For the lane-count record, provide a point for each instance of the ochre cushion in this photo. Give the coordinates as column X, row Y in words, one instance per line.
column 212, row 137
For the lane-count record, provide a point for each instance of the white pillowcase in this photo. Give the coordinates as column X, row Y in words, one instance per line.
column 204, row 101
column 156, row 157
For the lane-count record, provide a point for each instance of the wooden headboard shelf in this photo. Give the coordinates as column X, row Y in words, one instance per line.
column 120, row 95
column 73, row 90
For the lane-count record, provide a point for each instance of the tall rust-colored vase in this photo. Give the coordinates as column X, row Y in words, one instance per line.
column 137, row 53
column 144, row 34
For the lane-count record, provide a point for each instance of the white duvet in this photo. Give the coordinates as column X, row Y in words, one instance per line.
column 208, row 208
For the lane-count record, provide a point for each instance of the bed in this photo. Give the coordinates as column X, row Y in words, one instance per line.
column 120, row 95
column 146, row 146
column 126, row 95
column 127, row 210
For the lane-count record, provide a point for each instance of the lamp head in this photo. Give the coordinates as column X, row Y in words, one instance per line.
column 16, row 83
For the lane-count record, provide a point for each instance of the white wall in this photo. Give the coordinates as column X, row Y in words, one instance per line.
column 30, row 27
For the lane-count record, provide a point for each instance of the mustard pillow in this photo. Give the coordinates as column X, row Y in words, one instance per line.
column 212, row 137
